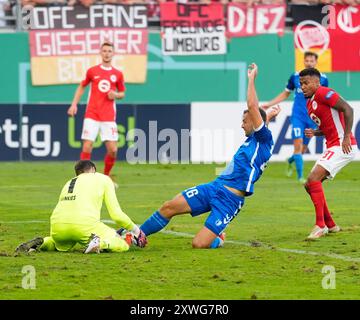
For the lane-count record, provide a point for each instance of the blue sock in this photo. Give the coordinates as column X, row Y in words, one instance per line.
column 291, row 159
column 299, row 163
column 216, row 243
column 154, row 223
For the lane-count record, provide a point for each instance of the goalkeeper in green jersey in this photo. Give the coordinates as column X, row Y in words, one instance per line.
column 76, row 217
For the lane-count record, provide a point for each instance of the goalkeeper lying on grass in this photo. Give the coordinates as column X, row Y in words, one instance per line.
column 76, row 217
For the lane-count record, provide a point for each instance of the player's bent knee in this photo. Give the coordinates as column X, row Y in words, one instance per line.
column 87, row 149
column 310, row 179
column 199, row 244
column 167, row 209
column 112, row 153
column 306, row 186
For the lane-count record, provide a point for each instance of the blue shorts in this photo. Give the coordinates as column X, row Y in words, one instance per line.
column 223, row 204
column 299, row 124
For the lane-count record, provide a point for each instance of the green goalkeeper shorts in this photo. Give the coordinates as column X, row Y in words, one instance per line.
column 67, row 235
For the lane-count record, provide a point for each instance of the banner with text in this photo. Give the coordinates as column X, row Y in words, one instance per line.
column 192, row 29
column 245, row 21
column 65, row 41
column 333, row 31
column 147, row 133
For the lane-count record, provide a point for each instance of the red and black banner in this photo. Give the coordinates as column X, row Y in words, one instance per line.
column 192, row 29
column 243, row 20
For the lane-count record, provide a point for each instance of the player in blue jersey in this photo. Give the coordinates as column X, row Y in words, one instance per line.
column 299, row 118
column 224, row 196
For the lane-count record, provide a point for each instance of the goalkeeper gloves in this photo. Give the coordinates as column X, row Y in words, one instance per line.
column 139, row 241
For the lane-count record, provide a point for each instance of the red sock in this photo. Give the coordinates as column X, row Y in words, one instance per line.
column 330, row 223
column 85, row 156
column 316, row 192
column 109, row 163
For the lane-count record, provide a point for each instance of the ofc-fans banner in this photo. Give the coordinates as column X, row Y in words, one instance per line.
column 192, row 29
column 245, row 21
column 65, row 41
column 333, row 31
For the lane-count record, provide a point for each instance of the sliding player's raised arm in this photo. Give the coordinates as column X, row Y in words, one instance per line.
column 252, row 99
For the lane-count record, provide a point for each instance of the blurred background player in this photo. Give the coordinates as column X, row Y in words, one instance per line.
column 76, row 217
column 225, row 196
column 107, row 84
column 299, row 117
column 334, row 118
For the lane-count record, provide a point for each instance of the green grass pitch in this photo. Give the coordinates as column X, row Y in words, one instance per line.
column 266, row 256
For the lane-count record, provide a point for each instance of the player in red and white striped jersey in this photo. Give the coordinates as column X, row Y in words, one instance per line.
column 334, row 118
column 107, row 84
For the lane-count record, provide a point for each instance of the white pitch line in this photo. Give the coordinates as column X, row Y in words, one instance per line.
column 240, row 243
column 267, row 247
column 24, row 186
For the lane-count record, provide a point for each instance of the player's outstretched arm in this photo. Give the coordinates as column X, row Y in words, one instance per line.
column 342, row 106
column 252, row 99
column 78, row 94
column 281, row 97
